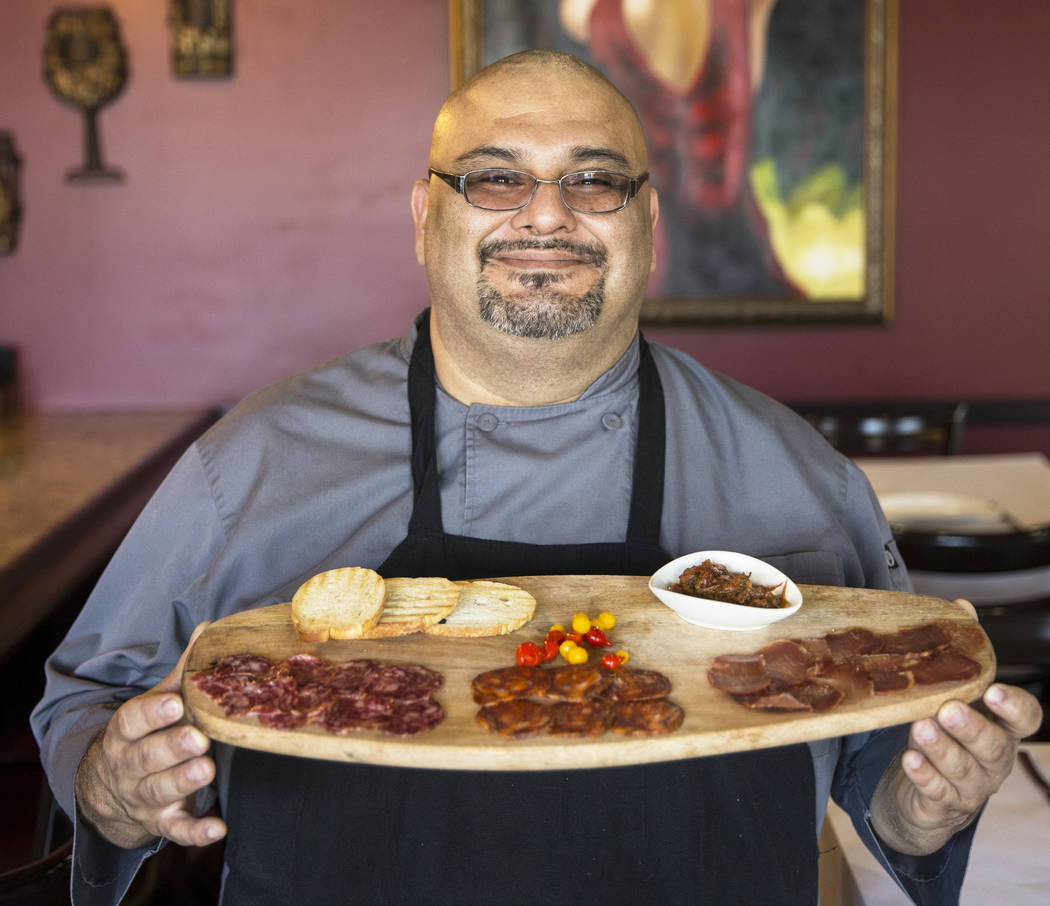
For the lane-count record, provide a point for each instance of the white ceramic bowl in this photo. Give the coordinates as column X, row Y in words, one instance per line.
column 718, row 614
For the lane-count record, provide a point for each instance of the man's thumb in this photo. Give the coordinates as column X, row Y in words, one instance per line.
column 173, row 681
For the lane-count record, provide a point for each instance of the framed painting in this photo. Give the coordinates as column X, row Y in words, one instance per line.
column 771, row 133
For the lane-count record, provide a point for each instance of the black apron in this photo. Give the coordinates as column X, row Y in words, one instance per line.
column 726, row 830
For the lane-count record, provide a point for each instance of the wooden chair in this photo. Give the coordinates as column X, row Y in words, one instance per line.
column 44, row 882
column 888, row 429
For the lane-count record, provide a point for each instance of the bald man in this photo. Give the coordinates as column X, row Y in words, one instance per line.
column 523, row 426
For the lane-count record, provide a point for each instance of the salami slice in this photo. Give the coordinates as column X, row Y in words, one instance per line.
column 353, row 676
column 358, row 711
column 510, row 683
column 244, row 664
column 308, row 668
column 516, row 719
column 653, row 717
column 305, row 689
column 280, row 718
column 405, row 682
column 410, row 718
column 586, row 718
column 630, row 684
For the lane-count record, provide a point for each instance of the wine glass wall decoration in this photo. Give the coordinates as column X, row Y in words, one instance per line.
column 86, row 65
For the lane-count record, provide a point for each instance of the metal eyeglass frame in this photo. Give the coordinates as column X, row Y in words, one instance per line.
column 459, row 183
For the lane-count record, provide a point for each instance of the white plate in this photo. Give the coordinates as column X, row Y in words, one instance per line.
column 718, row 614
column 943, row 511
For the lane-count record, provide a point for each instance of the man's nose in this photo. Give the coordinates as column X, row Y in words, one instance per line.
column 546, row 213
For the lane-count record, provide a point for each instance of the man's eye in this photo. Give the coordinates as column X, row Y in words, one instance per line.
column 494, row 178
column 592, row 181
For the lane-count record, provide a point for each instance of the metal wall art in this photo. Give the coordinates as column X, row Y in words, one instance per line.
column 10, row 205
column 86, row 65
column 201, row 38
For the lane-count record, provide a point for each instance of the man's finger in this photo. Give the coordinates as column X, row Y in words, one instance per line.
column 185, row 830
column 166, row 788
column 142, row 715
column 163, row 750
column 1018, row 711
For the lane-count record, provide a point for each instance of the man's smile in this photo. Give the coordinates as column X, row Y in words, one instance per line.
column 536, row 260
column 542, row 255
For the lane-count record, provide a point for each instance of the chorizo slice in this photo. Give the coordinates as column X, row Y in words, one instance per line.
column 517, row 718
column 508, row 683
column 576, row 682
column 652, row 717
column 630, row 684
column 587, row 718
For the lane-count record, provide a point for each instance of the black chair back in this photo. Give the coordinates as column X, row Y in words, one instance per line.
column 888, row 429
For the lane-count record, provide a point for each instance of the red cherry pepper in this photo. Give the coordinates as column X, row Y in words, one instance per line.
column 611, row 661
column 556, row 636
column 576, row 637
column 596, row 638
column 528, row 654
column 550, row 648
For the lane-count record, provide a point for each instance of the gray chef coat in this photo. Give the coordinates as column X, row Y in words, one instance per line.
column 314, row 473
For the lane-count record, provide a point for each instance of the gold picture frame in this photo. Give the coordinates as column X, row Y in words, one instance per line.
column 830, row 230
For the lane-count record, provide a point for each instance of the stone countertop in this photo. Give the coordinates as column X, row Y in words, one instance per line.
column 70, row 485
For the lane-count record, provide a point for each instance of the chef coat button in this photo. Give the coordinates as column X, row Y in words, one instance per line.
column 487, row 421
column 612, row 420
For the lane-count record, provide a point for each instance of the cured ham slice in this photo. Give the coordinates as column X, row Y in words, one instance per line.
column 805, row 696
column 883, row 681
column 848, row 665
column 918, row 640
column 852, row 680
column 788, row 661
column 739, row 674
column 944, row 666
column 851, row 642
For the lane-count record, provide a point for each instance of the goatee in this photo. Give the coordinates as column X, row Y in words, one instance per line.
column 542, row 311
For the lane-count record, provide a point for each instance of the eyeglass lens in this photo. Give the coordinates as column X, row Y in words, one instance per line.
column 589, row 191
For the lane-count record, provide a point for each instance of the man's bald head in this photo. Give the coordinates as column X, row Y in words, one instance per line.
column 544, row 67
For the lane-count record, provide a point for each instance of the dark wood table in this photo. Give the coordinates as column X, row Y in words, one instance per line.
column 71, row 485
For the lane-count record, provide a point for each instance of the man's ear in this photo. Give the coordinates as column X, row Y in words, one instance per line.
column 654, row 216
column 420, row 204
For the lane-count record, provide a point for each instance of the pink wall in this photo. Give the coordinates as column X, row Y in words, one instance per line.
column 264, row 224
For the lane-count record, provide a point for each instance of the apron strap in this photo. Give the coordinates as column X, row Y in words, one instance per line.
column 422, row 391
column 647, row 491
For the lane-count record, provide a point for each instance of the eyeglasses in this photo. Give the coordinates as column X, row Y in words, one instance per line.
column 585, row 191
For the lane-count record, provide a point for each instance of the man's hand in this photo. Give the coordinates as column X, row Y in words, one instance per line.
column 954, row 762
column 137, row 780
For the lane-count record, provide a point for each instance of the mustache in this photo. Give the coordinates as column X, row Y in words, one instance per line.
column 590, row 253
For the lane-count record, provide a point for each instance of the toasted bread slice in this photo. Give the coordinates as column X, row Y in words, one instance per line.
column 412, row 605
column 339, row 604
column 486, row 608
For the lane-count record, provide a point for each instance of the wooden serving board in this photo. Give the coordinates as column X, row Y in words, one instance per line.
column 654, row 636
